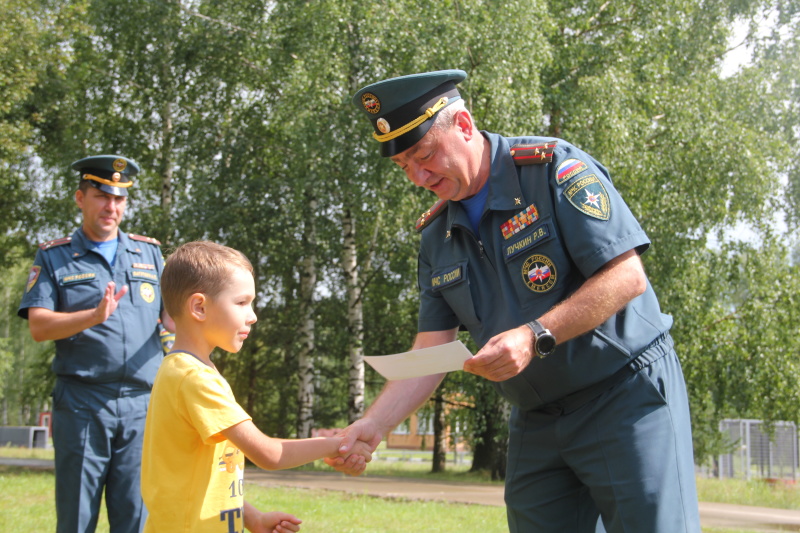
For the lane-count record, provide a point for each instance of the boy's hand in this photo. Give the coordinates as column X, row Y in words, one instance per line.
column 276, row 522
column 360, row 448
column 357, row 456
column 363, row 432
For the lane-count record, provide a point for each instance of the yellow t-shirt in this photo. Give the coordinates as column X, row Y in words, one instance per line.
column 192, row 477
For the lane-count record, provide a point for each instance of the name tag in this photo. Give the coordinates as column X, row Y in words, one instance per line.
column 144, row 274
column 534, row 238
column 77, row 277
column 447, row 277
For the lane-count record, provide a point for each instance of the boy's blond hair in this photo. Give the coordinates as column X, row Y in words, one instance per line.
column 198, row 267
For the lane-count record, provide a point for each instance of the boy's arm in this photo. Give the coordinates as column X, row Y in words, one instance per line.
column 274, row 522
column 278, row 454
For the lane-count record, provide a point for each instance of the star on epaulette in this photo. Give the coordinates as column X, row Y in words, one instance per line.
column 142, row 238
column 55, row 242
column 428, row 216
column 533, row 154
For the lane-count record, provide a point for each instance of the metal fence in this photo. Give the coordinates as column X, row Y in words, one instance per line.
column 758, row 454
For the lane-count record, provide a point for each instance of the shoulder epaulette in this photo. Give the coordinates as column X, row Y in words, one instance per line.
column 428, row 216
column 533, row 154
column 142, row 238
column 55, row 242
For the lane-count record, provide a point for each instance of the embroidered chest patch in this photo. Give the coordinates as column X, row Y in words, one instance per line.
column 144, row 274
column 520, row 221
column 539, row 273
column 588, row 195
column 446, row 278
column 535, row 237
column 147, row 292
column 78, row 277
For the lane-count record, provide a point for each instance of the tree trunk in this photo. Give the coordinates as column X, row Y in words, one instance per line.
column 489, row 450
column 308, row 281
column 439, row 437
column 166, row 165
column 355, row 318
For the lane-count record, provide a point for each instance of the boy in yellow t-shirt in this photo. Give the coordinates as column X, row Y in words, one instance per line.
column 196, row 435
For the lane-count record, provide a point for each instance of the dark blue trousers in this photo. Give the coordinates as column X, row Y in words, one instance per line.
column 97, row 436
column 622, row 462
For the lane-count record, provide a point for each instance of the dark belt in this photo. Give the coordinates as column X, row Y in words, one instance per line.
column 576, row 400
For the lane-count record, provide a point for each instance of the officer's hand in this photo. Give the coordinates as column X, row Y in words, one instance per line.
column 109, row 302
column 353, row 464
column 504, row 356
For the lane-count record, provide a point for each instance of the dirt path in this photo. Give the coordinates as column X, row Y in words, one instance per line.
column 716, row 515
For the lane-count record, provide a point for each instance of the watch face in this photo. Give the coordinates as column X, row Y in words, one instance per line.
column 545, row 344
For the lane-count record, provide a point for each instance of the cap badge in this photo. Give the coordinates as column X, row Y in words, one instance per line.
column 383, row 125
column 119, row 165
column 115, row 176
column 371, row 103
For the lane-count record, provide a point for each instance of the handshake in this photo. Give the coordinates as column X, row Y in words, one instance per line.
column 356, row 444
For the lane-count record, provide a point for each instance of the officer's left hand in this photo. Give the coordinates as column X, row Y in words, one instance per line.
column 504, row 356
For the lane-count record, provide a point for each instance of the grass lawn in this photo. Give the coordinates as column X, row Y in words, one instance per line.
column 26, row 497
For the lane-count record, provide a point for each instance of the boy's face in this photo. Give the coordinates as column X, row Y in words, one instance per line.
column 230, row 314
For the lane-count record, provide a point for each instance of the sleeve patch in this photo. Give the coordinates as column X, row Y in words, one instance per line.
column 589, row 196
column 33, row 277
column 569, row 169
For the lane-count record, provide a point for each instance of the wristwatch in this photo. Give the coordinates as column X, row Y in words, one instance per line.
column 544, row 342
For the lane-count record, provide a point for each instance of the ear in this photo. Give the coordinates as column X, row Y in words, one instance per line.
column 197, row 306
column 79, row 198
column 462, row 120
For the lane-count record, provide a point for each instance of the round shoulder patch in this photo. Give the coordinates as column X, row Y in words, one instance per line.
column 539, row 273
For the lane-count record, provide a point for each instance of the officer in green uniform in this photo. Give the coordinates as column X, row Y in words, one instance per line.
column 532, row 250
column 96, row 294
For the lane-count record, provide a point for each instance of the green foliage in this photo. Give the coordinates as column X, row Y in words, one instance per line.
column 239, row 113
column 26, row 57
column 24, row 365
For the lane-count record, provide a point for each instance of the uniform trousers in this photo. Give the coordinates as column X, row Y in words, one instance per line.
column 97, row 436
column 620, row 462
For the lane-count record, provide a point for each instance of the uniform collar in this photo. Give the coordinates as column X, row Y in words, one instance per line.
column 504, row 189
column 81, row 244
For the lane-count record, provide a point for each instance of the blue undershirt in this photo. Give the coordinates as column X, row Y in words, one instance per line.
column 107, row 249
column 474, row 207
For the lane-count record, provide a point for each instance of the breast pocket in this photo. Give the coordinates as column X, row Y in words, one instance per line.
column 79, row 290
column 452, row 282
column 535, row 264
column 144, row 287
